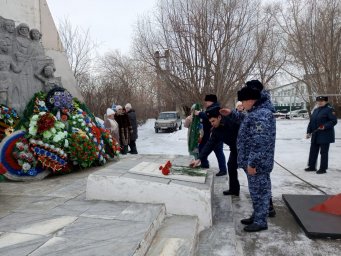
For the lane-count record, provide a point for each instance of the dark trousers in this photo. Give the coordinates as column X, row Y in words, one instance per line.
column 232, row 167
column 219, row 153
column 132, row 146
column 124, row 149
column 313, row 154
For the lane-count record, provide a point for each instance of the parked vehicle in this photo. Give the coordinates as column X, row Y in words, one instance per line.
column 168, row 121
column 297, row 113
column 280, row 115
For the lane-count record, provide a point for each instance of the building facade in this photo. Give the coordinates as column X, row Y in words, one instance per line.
column 290, row 96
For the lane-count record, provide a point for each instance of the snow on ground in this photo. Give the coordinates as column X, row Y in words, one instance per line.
column 288, row 177
column 292, row 150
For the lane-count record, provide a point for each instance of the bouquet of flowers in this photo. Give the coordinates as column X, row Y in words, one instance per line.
column 45, row 126
column 82, row 151
column 8, row 120
column 168, row 168
column 112, row 147
column 8, row 115
column 25, row 157
column 82, row 122
column 58, row 99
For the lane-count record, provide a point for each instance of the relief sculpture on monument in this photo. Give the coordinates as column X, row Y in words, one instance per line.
column 24, row 67
column 44, row 128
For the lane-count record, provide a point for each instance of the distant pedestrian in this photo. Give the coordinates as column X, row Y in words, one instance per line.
column 124, row 127
column 133, row 122
column 111, row 124
column 321, row 131
column 239, row 106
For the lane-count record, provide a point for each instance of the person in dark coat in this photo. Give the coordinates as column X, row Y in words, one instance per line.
column 210, row 102
column 321, row 131
column 133, row 122
column 225, row 130
column 125, row 129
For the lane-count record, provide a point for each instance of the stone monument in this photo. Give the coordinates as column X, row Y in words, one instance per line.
column 32, row 57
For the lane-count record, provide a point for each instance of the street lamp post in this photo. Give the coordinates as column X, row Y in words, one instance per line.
column 158, row 56
column 159, row 70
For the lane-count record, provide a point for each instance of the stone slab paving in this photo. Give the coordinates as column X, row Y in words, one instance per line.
column 220, row 239
column 284, row 236
column 52, row 217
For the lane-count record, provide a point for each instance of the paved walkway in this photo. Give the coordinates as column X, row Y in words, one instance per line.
column 52, row 217
column 284, row 236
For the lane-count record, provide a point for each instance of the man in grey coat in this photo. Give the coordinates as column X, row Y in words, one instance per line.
column 133, row 122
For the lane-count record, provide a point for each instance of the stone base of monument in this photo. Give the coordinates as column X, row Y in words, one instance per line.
column 135, row 179
column 314, row 224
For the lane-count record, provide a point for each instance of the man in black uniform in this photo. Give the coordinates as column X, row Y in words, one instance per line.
column 225, row 129
column 321, row 131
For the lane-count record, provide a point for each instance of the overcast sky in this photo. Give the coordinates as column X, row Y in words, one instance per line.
column 111, row 22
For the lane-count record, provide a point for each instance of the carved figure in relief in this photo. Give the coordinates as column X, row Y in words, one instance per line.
column 47, row 77
column 35, row 48
column 6, row 65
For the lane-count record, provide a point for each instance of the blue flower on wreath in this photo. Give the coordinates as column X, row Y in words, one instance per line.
column 57, row 104
column 32, row 172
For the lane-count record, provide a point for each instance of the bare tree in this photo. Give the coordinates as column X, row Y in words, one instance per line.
column 80, row 50
column 126, row 80
column 269, row 37
column 313, row 31
column 210, row 46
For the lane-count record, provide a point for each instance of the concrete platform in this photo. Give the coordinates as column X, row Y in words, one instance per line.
column 176, row 236
column 36, row 218
column 52, row 217
column 116, row 183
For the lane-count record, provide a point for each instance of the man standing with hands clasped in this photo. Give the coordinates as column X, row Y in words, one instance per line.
column 321, row 131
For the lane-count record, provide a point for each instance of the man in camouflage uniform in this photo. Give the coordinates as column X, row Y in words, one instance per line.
column 256, row 147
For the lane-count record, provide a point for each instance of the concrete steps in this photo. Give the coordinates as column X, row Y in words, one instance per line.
column 177, row 236
column 221, row 238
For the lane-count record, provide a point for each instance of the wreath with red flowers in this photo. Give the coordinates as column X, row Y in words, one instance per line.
column 82, row 151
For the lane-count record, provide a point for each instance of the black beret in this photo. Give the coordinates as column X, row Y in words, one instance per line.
column 321, row 98
column 211, row 97
column 247, row 93
column 213, row 112
column 255, row 84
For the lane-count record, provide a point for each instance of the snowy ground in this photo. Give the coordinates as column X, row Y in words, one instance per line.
column 288, row 177
column 292, row 150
